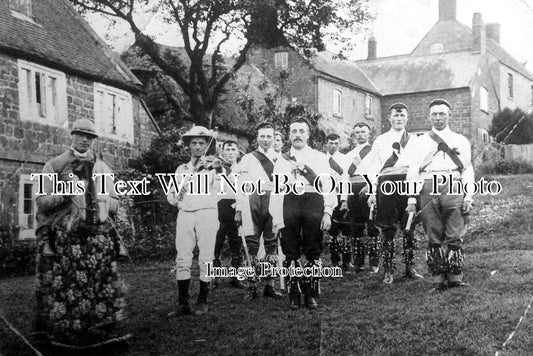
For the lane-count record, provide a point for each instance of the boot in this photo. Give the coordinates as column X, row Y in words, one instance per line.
column 411, row 273
column 294, row 294
column 309, row 297
column 201, row 303
column 270, row 292
column 235, row 283
column 251, row 294
column 183, row 299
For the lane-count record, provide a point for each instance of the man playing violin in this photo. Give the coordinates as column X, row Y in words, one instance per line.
column 197, row 221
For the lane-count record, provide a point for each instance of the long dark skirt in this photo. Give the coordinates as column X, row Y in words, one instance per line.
column 80, row 297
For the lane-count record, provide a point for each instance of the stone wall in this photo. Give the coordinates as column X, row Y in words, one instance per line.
column 418, row 105
column 26, row 145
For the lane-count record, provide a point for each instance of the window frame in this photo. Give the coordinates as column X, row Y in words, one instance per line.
column 484, row 99
column 369, row 100
column 54, row 97
column 281, row 59
column 27, row 232
column 510, row 85
column 337, row 102
column 126, row 131
column 436, row 48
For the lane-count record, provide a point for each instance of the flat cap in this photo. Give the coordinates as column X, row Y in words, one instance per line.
column 84, row 126
column 440, row 102
column 361, row 124
column 398, row 106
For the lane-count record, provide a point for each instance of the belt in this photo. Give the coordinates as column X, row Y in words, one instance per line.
column 454, row 173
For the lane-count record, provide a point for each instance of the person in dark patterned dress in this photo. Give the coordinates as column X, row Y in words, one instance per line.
column 80, row 297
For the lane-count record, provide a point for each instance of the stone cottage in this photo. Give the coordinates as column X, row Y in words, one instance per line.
column 54, row 69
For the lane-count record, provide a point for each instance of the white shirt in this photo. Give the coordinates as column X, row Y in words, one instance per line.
column 426, row 155
column 382, row 150
column 318, row 162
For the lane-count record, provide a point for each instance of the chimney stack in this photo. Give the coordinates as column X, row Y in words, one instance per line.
column 493, row 31
column 447, row 9
column 478, row 34
column 372, row 48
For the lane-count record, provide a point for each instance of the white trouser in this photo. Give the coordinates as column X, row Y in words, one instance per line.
column 195, row 228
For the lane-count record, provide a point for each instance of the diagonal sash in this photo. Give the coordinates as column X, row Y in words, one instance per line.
column 335, row 166
column 266, row 163
column 442, row 146
column 391, row 161
column 362, row 154
column 306, row 172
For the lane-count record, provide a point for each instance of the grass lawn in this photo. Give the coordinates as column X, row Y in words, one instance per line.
column 358, row 315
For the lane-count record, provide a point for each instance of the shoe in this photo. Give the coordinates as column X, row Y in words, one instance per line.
column 458, row 284
column 201, row 309
column 252, row 293
column 294, row 302
column 182, row 310
column 270, row 292
column 439, row 287
column 235, row 283
column 388, row 279
column 374, row 269
column 411, row 273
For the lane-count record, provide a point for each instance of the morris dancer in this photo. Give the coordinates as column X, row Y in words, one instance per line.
column 252, row 210
column 447, row 154
column 302, row 218
column 357, row 203
column 385, row 158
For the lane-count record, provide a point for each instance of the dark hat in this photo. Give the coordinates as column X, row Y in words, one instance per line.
column 440, row 102
column 333, row 136
column 84, row 126
column 398, row 106
column 362, row 124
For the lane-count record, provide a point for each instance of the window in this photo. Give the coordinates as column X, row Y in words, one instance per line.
column 21, row 6
column 483, row 99
column 281, row 59
column 337, row 102
column 368, row 105
column 42, row 94
column 27, row 207
column 484, row 135
column 510, row 85
column 437, row 48
column 113, row 116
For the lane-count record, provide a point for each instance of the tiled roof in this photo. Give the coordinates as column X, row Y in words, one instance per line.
column 60, row 38
column 407, row 74
column 456, row 36
column 505, row 58
column 326, row 63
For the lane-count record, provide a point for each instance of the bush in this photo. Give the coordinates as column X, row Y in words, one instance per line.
column 16, row 258
column 505, row 166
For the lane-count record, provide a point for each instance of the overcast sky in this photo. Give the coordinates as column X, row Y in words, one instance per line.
column 398, row 27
